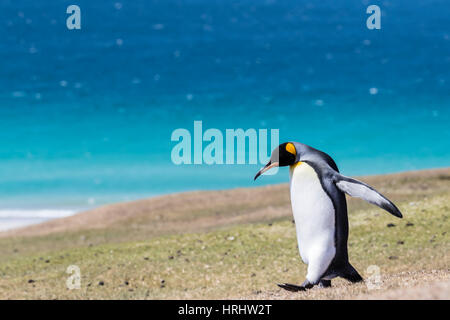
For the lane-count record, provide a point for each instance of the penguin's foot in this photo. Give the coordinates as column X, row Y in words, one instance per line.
column 295, row 288
column 291, row 287
column 324, row 283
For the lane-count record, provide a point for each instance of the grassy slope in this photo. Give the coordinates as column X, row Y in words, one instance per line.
column 228, row 244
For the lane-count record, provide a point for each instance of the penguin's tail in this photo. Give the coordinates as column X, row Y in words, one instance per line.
column 351, row 274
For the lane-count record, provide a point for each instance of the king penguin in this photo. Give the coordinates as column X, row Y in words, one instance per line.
column 319, row 207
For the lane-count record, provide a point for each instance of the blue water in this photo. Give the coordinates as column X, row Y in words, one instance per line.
column 86, row 116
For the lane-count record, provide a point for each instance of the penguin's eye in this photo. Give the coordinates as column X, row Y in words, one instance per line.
column 291, row 149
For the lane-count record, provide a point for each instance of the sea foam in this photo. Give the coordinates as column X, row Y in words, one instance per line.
column 16, row 218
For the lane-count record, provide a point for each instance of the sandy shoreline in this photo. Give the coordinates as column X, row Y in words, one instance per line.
column 269, row 197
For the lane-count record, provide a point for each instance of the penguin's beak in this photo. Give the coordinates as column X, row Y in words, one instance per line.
column 268, row 166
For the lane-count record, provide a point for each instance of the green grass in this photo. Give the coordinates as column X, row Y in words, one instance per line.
column 244, row 260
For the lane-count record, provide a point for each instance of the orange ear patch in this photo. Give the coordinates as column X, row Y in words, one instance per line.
column 291, row 149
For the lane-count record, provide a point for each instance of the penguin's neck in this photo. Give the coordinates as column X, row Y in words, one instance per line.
column 302, row 174
column 293, row 167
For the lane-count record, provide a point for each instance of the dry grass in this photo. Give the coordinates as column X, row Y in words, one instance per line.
column 423, row 285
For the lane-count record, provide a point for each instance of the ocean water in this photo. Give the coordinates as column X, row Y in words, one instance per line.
column 86, row 116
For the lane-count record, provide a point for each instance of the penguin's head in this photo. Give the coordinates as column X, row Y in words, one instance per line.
column 283, row 155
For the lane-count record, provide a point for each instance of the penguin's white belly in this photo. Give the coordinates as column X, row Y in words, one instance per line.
column 314, row 217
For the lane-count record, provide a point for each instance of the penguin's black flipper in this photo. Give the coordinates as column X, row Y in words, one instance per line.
column 359, row 189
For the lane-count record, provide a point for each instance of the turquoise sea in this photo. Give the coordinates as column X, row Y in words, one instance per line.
column 86, row 115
